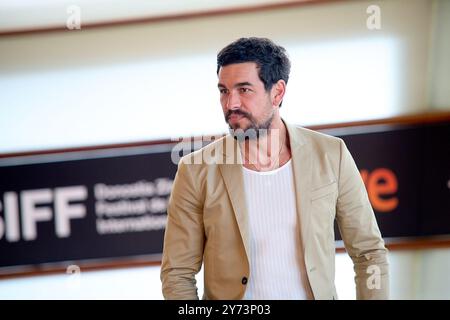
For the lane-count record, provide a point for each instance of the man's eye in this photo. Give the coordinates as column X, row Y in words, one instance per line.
column 244, row 90
column 223, row 91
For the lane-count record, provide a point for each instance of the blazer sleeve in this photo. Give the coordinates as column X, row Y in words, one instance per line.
column 360, row 232
column 183, row 239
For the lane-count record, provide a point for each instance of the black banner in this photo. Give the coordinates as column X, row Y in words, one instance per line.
column 105, row 205
column 99, row 206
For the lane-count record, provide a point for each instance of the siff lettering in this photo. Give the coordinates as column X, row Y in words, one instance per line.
column 35, row 206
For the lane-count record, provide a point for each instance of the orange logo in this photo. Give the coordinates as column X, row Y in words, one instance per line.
column 381, row 185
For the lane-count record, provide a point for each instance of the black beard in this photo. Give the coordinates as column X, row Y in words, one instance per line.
column 254, row 130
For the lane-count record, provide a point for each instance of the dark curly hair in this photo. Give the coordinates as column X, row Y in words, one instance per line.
column 271, row 59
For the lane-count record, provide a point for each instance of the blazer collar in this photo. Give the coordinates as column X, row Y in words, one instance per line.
column 302, row 167
column 234, row 182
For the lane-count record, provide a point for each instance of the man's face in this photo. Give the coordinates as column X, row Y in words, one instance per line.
column 245, row 102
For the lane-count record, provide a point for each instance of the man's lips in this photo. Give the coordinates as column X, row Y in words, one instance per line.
column 235, row 117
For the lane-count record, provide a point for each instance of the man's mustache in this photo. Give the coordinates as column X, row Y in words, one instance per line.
column 237, row 112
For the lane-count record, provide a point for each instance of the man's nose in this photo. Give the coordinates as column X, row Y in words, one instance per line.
column 233, row 101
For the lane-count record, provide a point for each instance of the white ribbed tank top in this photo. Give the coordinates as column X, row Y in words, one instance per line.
column 277, row 268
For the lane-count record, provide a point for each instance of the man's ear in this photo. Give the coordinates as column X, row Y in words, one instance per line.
column 277, row 92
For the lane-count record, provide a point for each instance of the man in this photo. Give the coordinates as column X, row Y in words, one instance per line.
column 257, row 207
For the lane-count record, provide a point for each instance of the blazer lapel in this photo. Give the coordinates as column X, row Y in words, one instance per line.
column 302, row 169
column 234, row 182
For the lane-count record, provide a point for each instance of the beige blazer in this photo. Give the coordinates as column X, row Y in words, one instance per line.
column 207, row 221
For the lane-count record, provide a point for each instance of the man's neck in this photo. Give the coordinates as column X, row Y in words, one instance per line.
column 269, row 151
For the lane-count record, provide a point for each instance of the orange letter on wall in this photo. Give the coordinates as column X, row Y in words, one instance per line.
column 382, row 182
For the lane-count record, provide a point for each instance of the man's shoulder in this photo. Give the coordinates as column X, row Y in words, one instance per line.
column 316, row 138
column 212, row 153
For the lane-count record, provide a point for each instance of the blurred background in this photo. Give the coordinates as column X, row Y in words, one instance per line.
column 94, row 95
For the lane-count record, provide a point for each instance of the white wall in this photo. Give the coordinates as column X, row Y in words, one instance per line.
column 439, row 85
column 414, row 274
column 151, row 81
